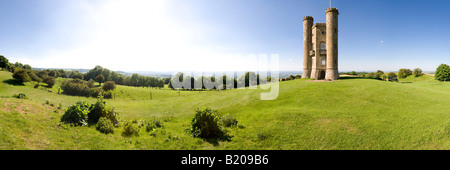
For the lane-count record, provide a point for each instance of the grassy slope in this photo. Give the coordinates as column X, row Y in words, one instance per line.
column 346, row 114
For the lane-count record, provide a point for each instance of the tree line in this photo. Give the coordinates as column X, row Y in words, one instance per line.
column 213, row 82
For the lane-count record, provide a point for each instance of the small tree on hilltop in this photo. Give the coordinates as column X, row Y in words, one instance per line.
column 417, row 72
column 100, row 79
column 442, row 73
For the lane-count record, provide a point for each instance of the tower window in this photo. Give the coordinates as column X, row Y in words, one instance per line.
column 323, row 32
column 323, row 45
column 323, row 61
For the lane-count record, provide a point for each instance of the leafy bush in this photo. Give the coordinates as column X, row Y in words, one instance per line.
column 442, row 73
column 403, row 73
column 75, row 87
column 100, row 78
column 205, row 124
column 109, row 85
column 34, row 77
column 3, row 62
column 79, row 87
column 21, row 75
column 99, row 110
column 229, row 121
column 82, row 113
column 391, row 76
column 50, row 81
column 95, row 92
column 107, row 94
column 154, row 124
column 417, row 72
column 105, row 125
column 20, row 96
column 77, row 114
column 130, row 129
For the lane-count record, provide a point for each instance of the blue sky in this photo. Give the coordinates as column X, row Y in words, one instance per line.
column 219, row 35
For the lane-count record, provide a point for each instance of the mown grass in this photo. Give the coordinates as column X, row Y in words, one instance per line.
column 345, row 114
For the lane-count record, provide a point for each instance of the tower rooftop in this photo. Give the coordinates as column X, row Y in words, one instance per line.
column 333, row 10
column 308, row 18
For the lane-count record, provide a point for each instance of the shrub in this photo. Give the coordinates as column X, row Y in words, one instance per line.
column 107, row 94
column 130, row 129
column 417, row 72
column 79, row 87
column 105, row 126
column 3, row 62
column 379, row 74
column 154, row 124
column 95, row 92
column 99, row 110
column 109, row 85
column 76, row 87
column 391, row 76
column 34, row 77
column 442, row 73
column 403, row 73
column 20, row 96
column 77, row 114
column 205, row 124
column 21, row 75
column 50, row 81
column 100, row 78
column 229, row 121
column 91, row 83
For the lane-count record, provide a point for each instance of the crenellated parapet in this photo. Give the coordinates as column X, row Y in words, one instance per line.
column 333, row 10
column 308, row 18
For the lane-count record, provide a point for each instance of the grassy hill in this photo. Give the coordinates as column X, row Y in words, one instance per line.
column 351, row 113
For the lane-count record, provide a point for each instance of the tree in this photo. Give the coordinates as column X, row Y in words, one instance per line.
column 50, row 81
column 100, row 79
column 442, row 73
column 417, row 72
column 4, row 63
column 98, row 70
column 379, row 74
column 403, row 73
column 34, row 77
column 109, row 85
column 27, row 67
column 353, row 73
column 53, row 73
column 20, row 75
column 170, row 85
column 291, row 77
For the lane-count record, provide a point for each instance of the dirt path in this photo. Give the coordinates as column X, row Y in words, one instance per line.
column 429, row 74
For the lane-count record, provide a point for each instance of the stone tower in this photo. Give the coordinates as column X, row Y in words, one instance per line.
column 320, row 47
column 307, row 46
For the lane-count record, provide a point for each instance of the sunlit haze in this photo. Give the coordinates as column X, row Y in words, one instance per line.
column 217, row 35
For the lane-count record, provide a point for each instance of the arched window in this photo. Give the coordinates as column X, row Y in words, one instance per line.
column 323, row 61
column 323, row 46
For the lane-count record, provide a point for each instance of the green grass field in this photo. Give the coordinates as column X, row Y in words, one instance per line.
column 351, row 113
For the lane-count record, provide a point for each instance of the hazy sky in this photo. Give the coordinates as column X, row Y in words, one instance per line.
column 219, row 35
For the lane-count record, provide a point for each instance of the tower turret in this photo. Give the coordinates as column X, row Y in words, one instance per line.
column 307, row 46
column 332, row 72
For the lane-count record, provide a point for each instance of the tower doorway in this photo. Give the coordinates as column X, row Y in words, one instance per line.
column 322, row 75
